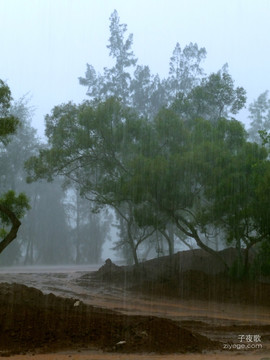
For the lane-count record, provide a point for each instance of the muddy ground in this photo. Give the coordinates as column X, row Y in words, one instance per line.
column 31, row 320
column 119, row 312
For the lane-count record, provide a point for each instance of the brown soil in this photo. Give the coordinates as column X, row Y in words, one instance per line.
column 30, row 320
column 194, row 307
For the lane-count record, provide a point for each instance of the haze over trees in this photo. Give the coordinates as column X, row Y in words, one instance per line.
column 12, row 207
column 47, row 231
column 165, row 156
column 259, row 114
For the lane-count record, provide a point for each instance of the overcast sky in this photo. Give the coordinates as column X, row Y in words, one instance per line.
column 45, row 44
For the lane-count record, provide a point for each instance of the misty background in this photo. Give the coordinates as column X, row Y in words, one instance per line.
column 46, row 44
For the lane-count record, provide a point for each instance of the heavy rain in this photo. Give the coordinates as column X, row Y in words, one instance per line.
column 134, row 179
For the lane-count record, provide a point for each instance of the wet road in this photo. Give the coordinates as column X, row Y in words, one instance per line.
column 66, row 281
column 60, row 280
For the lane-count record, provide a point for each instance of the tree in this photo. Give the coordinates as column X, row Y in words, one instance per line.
column 259, row 112
column 214, row 98
column 131, row 234
column 142, row 89
column 192, row 174
column 8, row 122
column 202, row 175
column 21, row 146
column 185, row 71
column 114, row 81
column 49, row 234
column 39, row 239
column 261, row 214
column 89, row 229
column 12, row 207
column 91, row 146
column 168, row 182
column 232, row 202
column 145, row 92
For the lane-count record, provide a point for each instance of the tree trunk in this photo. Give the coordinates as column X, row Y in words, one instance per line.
column 171, row 236
column 29, row 251
column 135, row 256
column 78, row 214
column 169, row 241
column 246, row 253
column 132, row 246
column 14, row 229
column 246, row 261
column 191, row 232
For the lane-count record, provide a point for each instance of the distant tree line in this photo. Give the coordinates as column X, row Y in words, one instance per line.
column 166, row 156
column 49, row 234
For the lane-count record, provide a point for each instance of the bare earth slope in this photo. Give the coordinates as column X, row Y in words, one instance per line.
column 171, row 295
column 31, row 320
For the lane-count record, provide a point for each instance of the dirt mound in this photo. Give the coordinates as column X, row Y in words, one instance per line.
column 197, row 285
column 165, row 266
column 30, row 320
column 192, row 274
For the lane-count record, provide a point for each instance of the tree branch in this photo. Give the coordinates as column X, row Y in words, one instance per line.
column 14, row 229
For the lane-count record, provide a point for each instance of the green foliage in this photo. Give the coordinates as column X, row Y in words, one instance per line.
column 144, row 91
column 3, row 233
column 8, row 123
column 215, row 97
column 172, row 157
column 191, row 95
column 264, row 137
column 261, row 182
column 17, row 204
column 5, row 98
column 194, row 173
column 259, row 111
column 231, row 188
column 86, row 142
column 12, row 207
column 115, row 81
column 185, row 71
column 147, row 92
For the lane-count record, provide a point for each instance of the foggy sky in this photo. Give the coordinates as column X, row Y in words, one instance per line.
column 45, row 44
